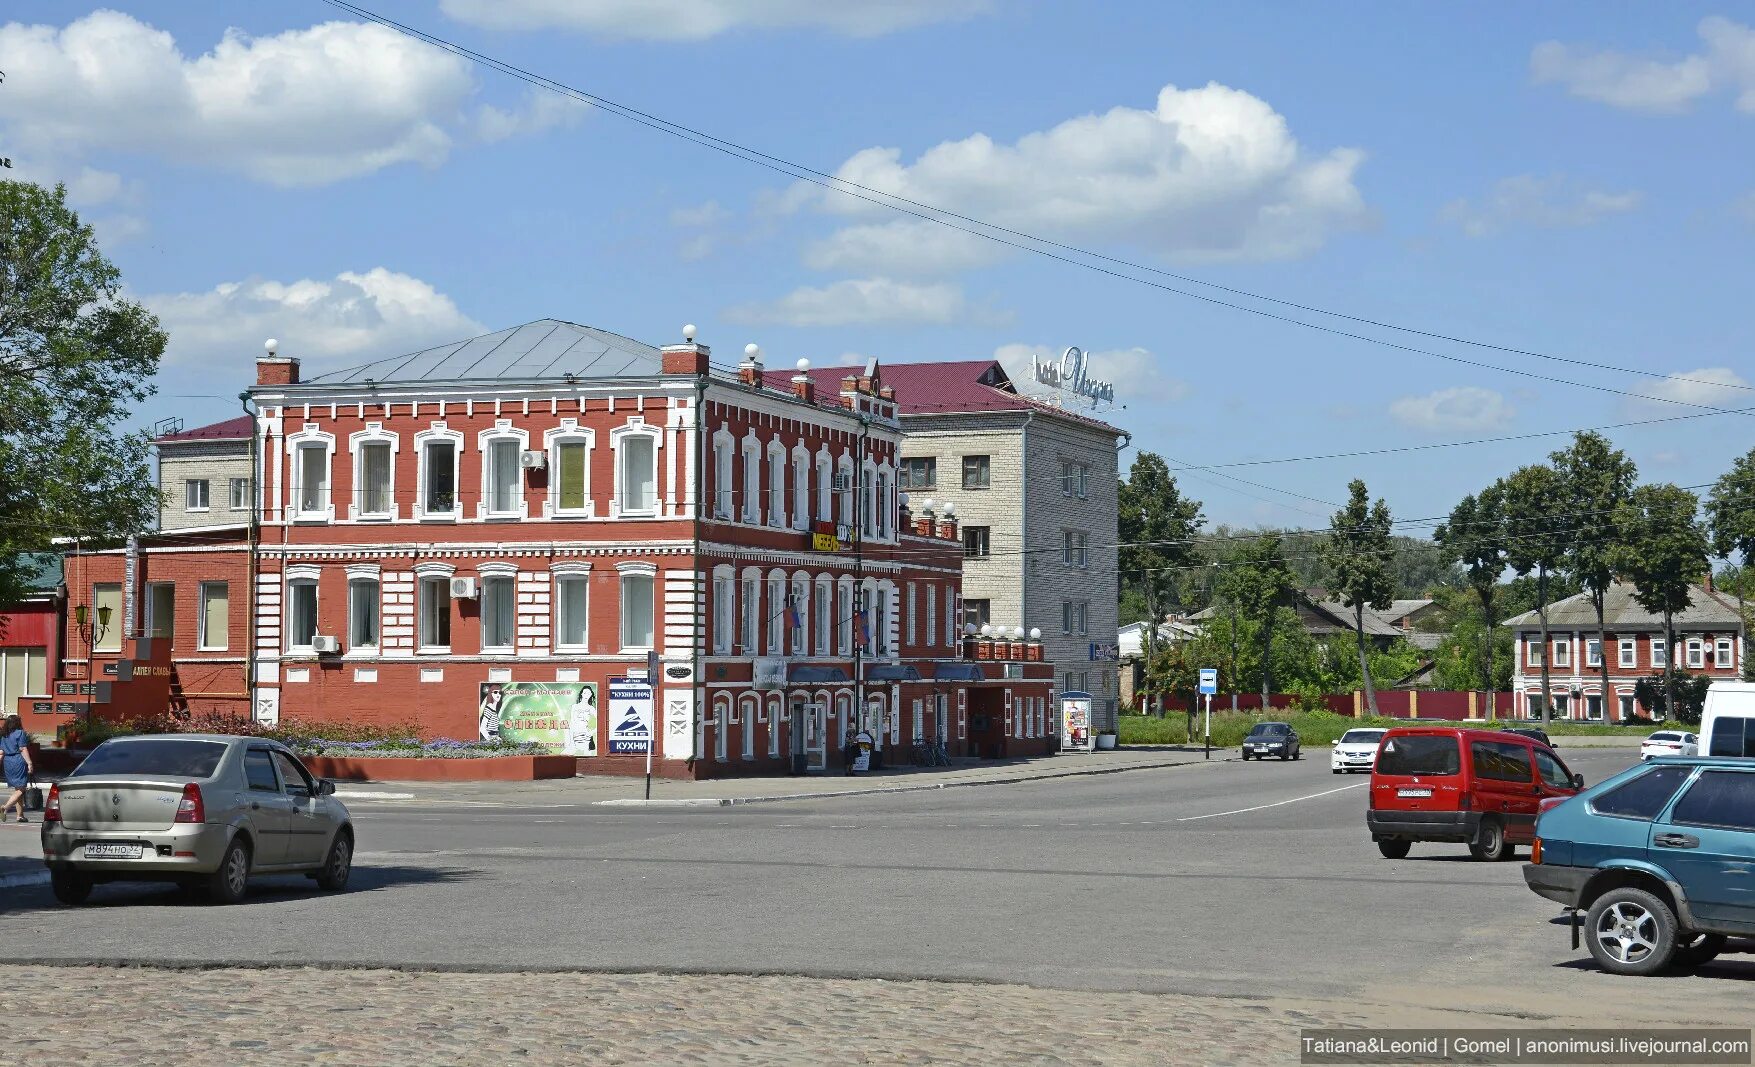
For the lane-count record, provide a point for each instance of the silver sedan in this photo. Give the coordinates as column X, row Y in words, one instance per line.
column 205, row 811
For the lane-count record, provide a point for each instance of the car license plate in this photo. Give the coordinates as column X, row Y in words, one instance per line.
column 112, row 852
column 1413, row 792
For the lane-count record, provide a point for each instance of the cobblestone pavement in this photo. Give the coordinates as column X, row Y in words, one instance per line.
column 388, row 1018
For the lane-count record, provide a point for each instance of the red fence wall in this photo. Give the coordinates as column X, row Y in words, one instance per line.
column 1394, row 703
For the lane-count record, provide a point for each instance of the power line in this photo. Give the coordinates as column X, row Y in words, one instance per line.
column 1039, row 246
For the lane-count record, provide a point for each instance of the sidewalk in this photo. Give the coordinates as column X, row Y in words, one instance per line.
column 21, row 855
column 608, row 790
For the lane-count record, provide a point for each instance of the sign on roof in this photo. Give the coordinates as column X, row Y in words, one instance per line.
column 1072, row 375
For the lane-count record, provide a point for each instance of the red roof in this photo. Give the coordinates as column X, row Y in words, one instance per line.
column 938, row 388
column 236, row 429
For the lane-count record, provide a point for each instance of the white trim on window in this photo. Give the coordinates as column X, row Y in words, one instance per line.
column 1723, row 653
column 636, row 427
column 566, row 574
column 725, row 468
column 435, row 434
column 569, row 432
column 373, row 434
column 201, row 610
column 190, row 495
column 1627, row 653
column 485, row 440
column 324, row 510
column 801, row 495
column 777, row 494
column 750, row 456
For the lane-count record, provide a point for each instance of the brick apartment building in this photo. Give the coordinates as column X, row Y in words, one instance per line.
column 1708, row 636
column 498, row 535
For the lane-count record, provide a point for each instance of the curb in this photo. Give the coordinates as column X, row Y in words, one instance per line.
column 1018, row 779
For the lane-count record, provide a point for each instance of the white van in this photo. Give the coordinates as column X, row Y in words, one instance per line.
column 1727, row 724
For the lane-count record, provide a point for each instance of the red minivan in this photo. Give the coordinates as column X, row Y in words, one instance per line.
column 1483, row 788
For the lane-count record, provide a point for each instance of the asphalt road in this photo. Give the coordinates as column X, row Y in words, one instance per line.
column 1229, row 879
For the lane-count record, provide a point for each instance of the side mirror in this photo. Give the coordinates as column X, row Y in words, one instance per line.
column 325, row 788
column 1578, row 781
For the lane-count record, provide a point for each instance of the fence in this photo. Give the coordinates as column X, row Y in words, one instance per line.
column 1394, row 703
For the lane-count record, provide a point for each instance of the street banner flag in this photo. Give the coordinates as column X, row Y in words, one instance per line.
column 861, row 635
column 792, row 619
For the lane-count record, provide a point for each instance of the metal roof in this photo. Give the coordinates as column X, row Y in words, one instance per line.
column 544, row 349
column 237, row 428
column 1706, row 610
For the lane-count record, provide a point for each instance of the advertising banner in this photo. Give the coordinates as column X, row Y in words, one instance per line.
column 561, row 715
column 679, row 724
column 630, row 717
column 1075, row 721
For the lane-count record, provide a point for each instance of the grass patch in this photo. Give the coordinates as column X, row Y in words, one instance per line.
column 1321, row 727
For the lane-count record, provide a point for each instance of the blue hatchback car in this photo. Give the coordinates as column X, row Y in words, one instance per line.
column 1659, row 860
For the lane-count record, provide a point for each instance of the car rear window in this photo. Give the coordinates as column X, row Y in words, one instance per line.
column 1731, row 736
column 1419, row 754
column 1660, row 736
column 1361, row 737
column 1718, row 798
column 167, row 756
column 1644, row 796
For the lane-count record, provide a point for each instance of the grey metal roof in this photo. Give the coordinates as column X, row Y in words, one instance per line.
column 1705, row 611
column 546, row 348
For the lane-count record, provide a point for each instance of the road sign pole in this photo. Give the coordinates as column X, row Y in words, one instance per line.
column 1209, row 727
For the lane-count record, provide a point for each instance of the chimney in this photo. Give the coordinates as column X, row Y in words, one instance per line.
column 802, row 386
column 275, row 369
column 749, row 372
column 850, row 392
column 686, row 358
column 888, row 392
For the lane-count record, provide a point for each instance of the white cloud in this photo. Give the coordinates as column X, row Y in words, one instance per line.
column 1526, row 200
column 1709, row 386
column 1465, row 407
column 902, row 248
column 302, row 107
column 697, row 20
column 864, row 302
column 1726, row 62
column 1207, row 174
column 540, row 110
column 1138, row 374
column 351, row 318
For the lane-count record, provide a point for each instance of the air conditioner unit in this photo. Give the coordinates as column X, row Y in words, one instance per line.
column 463, row 588
column 843, row 482
column 533, row 460
column 323, row 643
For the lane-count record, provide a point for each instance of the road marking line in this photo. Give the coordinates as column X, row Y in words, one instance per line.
column 367, row 794
column 1275, row 804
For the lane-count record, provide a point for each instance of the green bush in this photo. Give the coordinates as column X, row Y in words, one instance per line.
column 1315, row 727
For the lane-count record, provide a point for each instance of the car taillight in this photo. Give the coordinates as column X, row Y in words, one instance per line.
column 1536, row 851
column 190, row 808
column 52, row 806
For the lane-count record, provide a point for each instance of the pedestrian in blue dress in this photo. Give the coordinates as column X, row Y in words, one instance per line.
column 15, row 761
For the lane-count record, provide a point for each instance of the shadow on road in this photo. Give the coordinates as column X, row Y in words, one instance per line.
column 264, row 890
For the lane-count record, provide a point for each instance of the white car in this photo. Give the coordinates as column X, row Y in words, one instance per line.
column 1669, row 743
column 1355, row 751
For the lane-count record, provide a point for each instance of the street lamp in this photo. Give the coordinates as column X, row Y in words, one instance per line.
column 91, row 632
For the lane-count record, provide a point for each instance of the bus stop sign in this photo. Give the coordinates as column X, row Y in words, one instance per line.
column 1209, row 680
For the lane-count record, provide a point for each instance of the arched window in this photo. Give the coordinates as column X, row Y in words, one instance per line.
column 502, row 472
column 748, row 707
column 776, row 484
column 569, row 448
column 636, row 469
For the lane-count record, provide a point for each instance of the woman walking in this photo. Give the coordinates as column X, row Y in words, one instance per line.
column 16, row 762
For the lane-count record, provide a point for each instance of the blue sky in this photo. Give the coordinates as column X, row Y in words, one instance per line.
column 1574, row 180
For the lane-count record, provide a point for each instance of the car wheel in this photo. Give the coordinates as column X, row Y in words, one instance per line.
column 1489, row 843
column 337, row 865
column 1630, row 931
column 70, row 887
column 1395, row 850
column 227, row 884
column 1298, row 753
column 1245, row 756
column 1692, row 950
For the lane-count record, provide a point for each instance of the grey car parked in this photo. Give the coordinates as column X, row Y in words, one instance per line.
column 205, row 811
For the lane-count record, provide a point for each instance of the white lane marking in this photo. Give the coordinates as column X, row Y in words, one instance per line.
column 1275, row 804
column 367, row 794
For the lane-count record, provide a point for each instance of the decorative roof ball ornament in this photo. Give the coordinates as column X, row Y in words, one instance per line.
column 689, row 333
column 271, row 346
column 1035, row 633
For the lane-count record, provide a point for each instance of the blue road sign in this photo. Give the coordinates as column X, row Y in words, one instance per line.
column 1209, row 680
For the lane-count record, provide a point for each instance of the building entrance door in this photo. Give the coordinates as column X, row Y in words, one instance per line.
column 816, row 730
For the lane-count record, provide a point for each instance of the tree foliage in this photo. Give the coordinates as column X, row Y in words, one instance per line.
column 1597, row 479
column 74, row 358
column 1259, row 583
column 1474, row 538
column 1357, row 554
column 1730, row 517
column 1662, row 550
column 1157, row 525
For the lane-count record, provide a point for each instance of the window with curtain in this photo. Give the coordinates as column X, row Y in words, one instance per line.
column 240, row 493
column 800, row 493
column 435, row 613
column 752, row 487
column 301, row 613
column 23, row 673
column 374, row 486
column 440, row 489
column 569, row 473
column 639, row 475
column 498, row 612
column 801, row 629
column 724, row 613
column 776, row 616
column 106, row 638
column 824, row 619
column 637, row 611
column 313, row 478
column 161, row 610
column 362, row 613
column 214, row 624
column 750, row 639
column 722, row 480
column 572, row 594
column 504, row 477
column 776, row 489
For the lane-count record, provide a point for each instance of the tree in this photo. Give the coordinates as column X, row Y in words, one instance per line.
column 1474, row 536
column 1597, row 478
column 1357, row 554
column 1663, row 549
column 74, row 357
column 1533, row 541
column 1258, row 582
column 1730, row 515
column 1157, row 525
column 1688, row 691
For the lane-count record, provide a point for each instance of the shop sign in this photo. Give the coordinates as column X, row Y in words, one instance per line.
column 560, row 715
column 630, row 715
column 42, row 707
column 1072, row 374
column 768, row 672
column 824, row 537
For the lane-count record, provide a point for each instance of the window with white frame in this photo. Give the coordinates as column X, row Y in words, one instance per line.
column 363, row 600
column 950, row 617
column 1696, row 653
column 776, row 486
column 504, row 477
column 638, row 609
column 1074, row 477
column 499, row 612
column 637, row 472
column 372, row 482
column 570, row 480
column 313, row 474
column 213, row 627
column 825, row 510
column 195, row 494
column 880, row 616
column 800, row 491
column 434, row 627
column 301, row 614
column 572, row 610
column 799, row 623
column 1627, row 652
column 1533, row 651
column 931, row 618
column 752, row 483
column 1562, row 652
column 240, row 494
column 1074, row 616
column 1660, row 652
column 844, row 617
column 1721, row 654
column 722, row 476
column 776, row 611
column 439, row 478
column 1593, row 652
column 751, row 631
column 824, row 615
column 1075, row 548
column 909, row 602
column 881, row 498
column 844, row 496
column 24, row 672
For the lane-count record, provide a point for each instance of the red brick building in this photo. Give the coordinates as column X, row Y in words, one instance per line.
column 505, row 535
